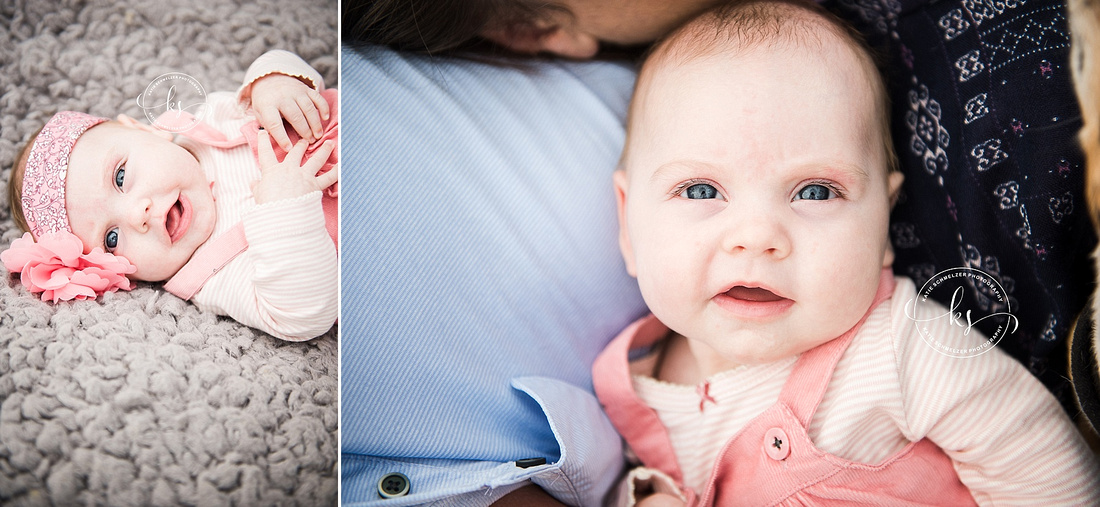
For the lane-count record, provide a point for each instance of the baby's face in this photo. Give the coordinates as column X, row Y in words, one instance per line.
column 754, row 207
column 139, row 195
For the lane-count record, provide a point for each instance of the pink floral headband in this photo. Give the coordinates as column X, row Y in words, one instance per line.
column 47, row 166
column 56, row 265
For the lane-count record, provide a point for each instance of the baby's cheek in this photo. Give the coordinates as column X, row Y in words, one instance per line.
column 667, row 287
column 649, row 284
column 848, row 299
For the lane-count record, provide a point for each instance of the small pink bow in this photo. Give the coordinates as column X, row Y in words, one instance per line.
column 704, row 394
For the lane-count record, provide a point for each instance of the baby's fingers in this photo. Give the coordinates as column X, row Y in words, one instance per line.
column 313, row 117
column 297, row 153
column 329, row 178
column 264, row 152
column 296, row 117
column 320, row 102
column 319, row 157
column 272, row 120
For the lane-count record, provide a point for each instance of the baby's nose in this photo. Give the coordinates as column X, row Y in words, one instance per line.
column 140, row 215
column 757, row 233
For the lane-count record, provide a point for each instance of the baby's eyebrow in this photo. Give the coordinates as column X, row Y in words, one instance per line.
column 678, row 168
column 843, row 172
column 107, row 169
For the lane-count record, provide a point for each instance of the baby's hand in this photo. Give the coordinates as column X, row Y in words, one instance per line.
column 278, row 96
column 290, row 178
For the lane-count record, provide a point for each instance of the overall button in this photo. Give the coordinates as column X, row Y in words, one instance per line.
column 393, row 485
column 776, row 444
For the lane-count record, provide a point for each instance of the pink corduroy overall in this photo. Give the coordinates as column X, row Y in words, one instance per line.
column 772, row 461
column 228, row 245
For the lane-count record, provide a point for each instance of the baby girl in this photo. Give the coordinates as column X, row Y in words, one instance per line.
column 781, row 364
column 231, row 222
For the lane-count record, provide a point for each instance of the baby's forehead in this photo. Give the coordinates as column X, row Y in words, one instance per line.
column 91, row 141
column 694, row 52
column 691, row 56
column 753, row 27
column 107, row 137
column 109, row 128
column 99, row 143
column 96, row 136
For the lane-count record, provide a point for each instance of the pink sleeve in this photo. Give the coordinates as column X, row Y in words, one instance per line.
column 287, row 283
column 1012, row 443
column 277, row 61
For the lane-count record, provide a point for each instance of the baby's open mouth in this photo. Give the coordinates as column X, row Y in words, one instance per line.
column 752, row 303
column 177, row 220
column 754, row 294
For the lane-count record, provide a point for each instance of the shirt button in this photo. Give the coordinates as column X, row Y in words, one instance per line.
column 776, row 444
column 530, row 462
column 393, row 485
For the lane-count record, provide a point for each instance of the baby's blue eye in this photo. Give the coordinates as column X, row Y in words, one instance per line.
column 815, row 192
column 120, row 176
column 110, row 240
column 700, row 191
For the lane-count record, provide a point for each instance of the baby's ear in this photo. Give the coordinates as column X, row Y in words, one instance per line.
column 893, row 182
column 626, row 247
column 132, row 123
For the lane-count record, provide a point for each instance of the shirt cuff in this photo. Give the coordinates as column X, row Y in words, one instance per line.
column 277, row 61
column 589, row 464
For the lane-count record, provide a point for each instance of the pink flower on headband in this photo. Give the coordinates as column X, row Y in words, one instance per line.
column 57, row 267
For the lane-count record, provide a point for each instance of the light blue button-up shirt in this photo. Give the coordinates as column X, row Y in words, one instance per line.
column 480, row 275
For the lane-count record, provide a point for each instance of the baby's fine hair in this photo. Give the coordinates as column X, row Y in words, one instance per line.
column 742, row 25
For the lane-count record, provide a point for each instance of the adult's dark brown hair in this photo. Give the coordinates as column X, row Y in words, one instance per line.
column 432, row 26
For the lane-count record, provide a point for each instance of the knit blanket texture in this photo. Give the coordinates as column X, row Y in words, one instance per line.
column 138, row 398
